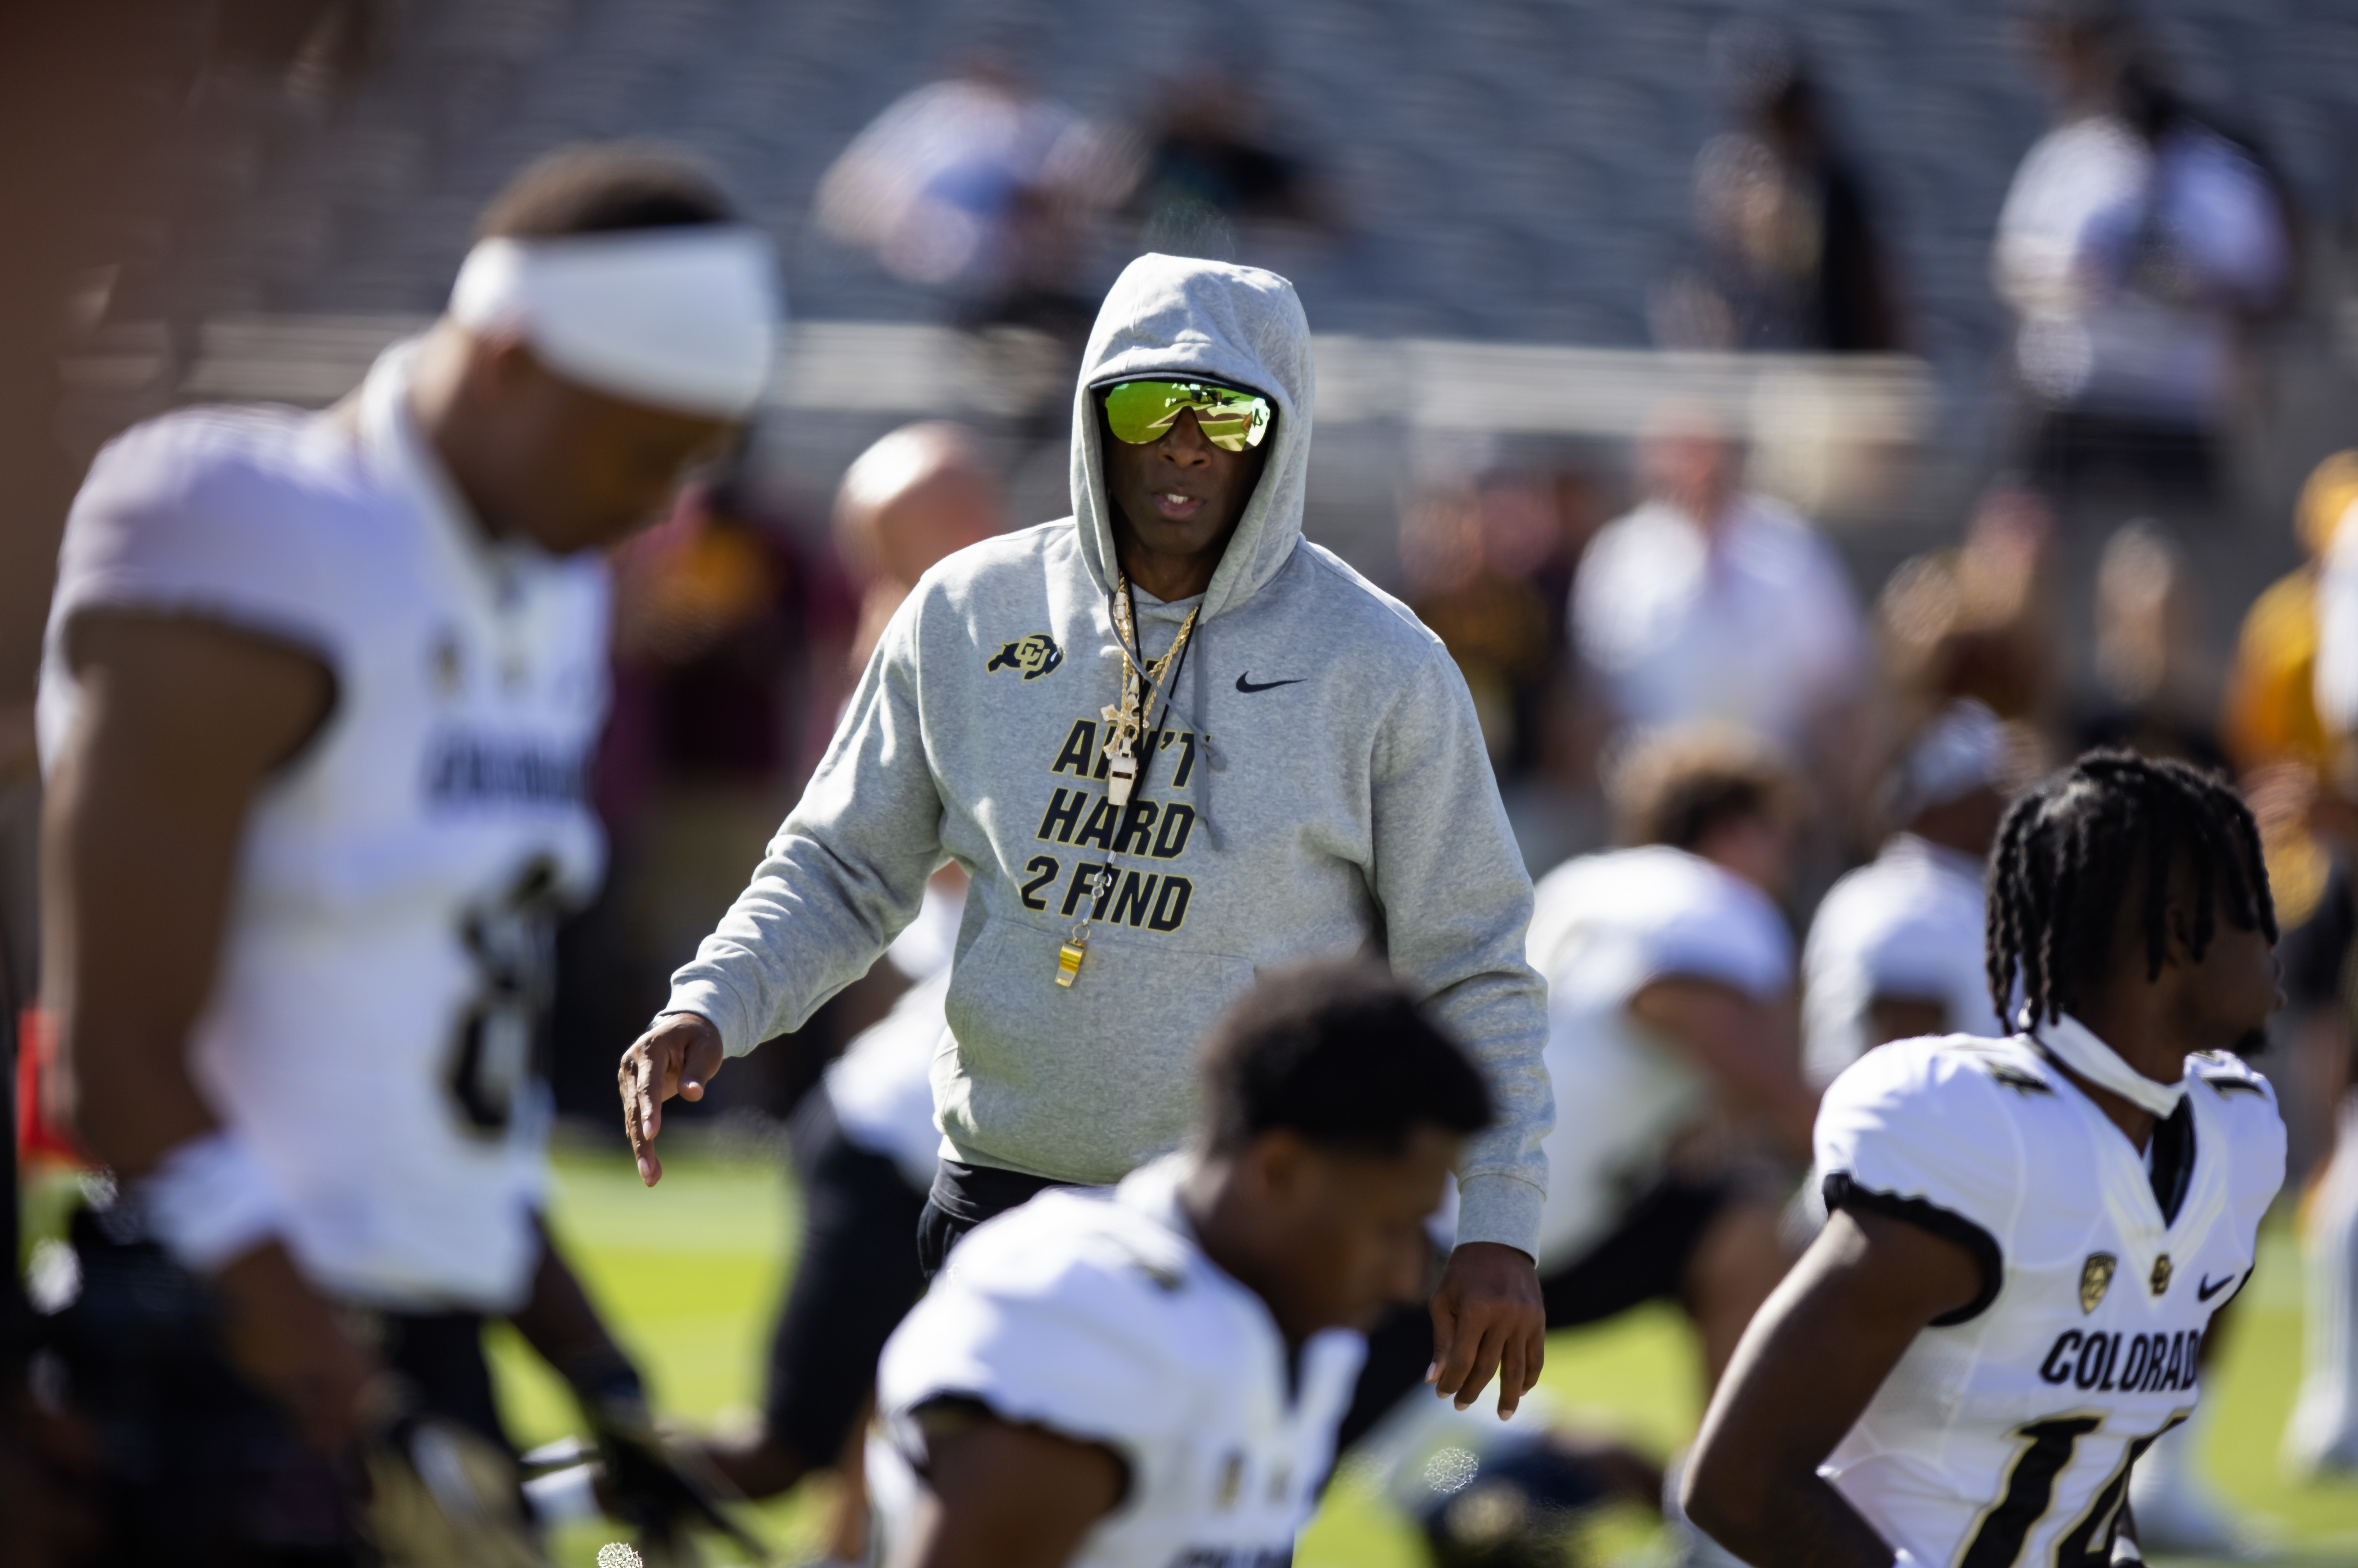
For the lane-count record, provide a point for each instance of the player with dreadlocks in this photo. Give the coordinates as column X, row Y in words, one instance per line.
column 2028, row 1236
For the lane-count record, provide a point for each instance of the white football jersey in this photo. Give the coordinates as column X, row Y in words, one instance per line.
column 1604, row 927
column 1908, row 924
column 2005, row 1433
column 1094, row 1315
column 387, row 961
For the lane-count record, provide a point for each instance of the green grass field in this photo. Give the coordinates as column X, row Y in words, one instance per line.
column 690, row 1273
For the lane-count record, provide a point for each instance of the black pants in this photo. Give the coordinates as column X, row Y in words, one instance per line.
column 198, row 1466
column 963, row 1197
column 1645, row 1259
column 855, row 1282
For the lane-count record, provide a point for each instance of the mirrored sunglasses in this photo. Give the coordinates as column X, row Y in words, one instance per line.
column 1140, row 412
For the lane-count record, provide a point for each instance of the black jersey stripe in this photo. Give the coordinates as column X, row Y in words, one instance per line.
column 1841, row 1193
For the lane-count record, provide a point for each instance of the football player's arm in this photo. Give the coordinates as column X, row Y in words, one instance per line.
column 180, row 722
column 1003, row 1496
column 1813, row 1358
column 1747, row 1045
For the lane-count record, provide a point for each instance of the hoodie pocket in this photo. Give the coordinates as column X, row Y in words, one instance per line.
column 1084, row 1083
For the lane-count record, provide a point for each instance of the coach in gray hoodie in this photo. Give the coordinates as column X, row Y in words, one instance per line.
column 1311, row 781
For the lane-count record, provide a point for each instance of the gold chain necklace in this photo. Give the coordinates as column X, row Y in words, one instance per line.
column 1124, row 727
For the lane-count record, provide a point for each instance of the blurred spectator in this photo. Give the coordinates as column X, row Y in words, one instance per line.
column 1489, row 564
column 1978, row 621
column 1792, row 262
column 2156, row 694
column 1896, row 949
column 1710, row 603
column 920, row 493
column 2270, row 716
column 1211, row 165
column 980, row 187
column 2136, row 244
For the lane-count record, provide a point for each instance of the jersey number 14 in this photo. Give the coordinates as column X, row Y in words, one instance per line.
column 2047, row 1450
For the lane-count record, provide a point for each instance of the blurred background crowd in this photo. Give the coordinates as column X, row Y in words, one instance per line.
column 1805, row 368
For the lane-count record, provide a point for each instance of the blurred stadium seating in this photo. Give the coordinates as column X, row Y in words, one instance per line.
column 1516, row 171
column 1520, row 169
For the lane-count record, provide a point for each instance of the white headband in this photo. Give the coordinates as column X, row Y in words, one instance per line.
column 684, row 319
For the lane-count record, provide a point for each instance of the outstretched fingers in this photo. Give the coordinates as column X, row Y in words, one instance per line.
column 677, row 1056
column 1458, row 1350
column 644, row 1078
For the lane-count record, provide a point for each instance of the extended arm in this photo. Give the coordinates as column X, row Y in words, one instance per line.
column 1742, row 1042
column 179, row 724
column 844, row 874
column 1806, row 1369
column 999, row 1495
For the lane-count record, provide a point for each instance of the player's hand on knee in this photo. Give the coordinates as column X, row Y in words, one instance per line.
column 677, row 1056
column 1488, row 1320
column 286, row 1338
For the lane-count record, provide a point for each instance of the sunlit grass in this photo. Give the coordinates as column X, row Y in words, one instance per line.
column 689, row 1276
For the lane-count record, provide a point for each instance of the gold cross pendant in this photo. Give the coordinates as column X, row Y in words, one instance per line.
column 1068, row 963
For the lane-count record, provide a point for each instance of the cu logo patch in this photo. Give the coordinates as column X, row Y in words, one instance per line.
column 2095, row 1279
column 1034, row 655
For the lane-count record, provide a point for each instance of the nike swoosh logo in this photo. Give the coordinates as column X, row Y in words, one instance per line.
column 1244, row 685
column 2206, row 1289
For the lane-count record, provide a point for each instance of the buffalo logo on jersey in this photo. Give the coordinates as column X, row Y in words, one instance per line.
column 2095, row 1279
column 2161, row 1271
column 1034, row 655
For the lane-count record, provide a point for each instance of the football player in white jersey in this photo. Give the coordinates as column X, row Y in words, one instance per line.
column 2029, row 1235
column 1152, row 1375
column 1895, row 949
column 1670, row 973
column 317, row 705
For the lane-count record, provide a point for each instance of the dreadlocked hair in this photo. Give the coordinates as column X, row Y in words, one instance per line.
column 2074, row 847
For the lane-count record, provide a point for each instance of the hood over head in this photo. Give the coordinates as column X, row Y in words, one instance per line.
column 1227, row 323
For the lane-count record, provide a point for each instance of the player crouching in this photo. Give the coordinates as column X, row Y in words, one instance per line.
column 1153, row 1374
column 2028, row 1236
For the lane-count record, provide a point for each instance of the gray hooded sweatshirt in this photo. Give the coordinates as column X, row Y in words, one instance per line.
column 1318, row 786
